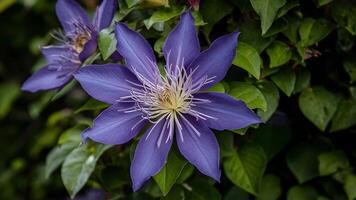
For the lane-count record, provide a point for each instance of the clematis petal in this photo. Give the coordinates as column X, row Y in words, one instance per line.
column 115, row 126
column 182, row 44
column 215, row 61
column 68, row 12
column 149, row 157
column 228, row 112
column 89, row 48
column 107, row 83
column 201, row 150
column 137, row 52
column 53, row 54
column 104, row 14
column 46, row 79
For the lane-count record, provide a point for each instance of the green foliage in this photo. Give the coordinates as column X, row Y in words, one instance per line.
column 248, row 93
column 295, row 67
column 245, row 168
column 318, row 105
column 170, row 173
column 107, row 43
column 248, row 59
column 279, row 54
column 79, row 165
column 267, row 10
column 271, row 188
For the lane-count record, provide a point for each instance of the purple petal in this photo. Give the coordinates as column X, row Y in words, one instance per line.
column 115, row 126
column 89, row 48
column 107, row 82
column 149, row 156
column 69, row 11
column 54, row 53
column 138, row 54
column 215, row 61
column 202, row 151
column 182, row 44
column 104, row 14
column 61, row 57
column 229, row 113
column 46, row 79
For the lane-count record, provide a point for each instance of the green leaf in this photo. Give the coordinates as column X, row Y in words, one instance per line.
column 318, row 105
column 272, row 139
column 63, row 91
column 270, row 188
column 302, row 193
column 271, row 94
column 226, row 143
column 279, row 54
column 177, row 193
column 349, row 186
column 249, row 94
column 200, row 189
column 71, row 135
column 132, row 3
column 350, row 67
column 277, row 27
column 212, row 12
column 159, row 45
column 56, row 157
column 287, row 7
column 331, row 161
column 154, row 3
column 250, row 34
column 107, row 43
column 303, row 80
column 6, row 4
column 91, row 104
column 248, row 59
column 344, row 14
column 312, row 31
column 170, row 172
column 79, row 165
column 219, row 87
column 8, row 94
column 292, row 30
column 236, row 193
column 324, row 2
column 285, row 80
column 245, row 168
column 267, row 10
column 187, row 172
column 198, row 19
column 162, row 15
column 302, row 160
column 345, row 116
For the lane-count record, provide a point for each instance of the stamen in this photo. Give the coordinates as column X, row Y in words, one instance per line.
column 168, row 97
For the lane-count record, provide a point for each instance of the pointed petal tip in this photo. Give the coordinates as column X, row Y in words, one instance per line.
column 216, row 176
column 26, row 88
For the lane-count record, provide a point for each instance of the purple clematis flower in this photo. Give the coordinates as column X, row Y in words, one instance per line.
column 175, row 105
column 79, row 41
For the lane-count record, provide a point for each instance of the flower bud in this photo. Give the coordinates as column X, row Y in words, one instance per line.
column 194, row 4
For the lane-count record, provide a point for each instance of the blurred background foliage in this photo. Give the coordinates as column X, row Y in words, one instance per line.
column 295, row 65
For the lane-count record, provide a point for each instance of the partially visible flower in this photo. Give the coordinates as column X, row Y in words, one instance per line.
column 194, row 4
column 175, row 104
column 78, row 42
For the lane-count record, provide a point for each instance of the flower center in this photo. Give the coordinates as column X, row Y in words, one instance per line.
column 80, row 41
column 169, row 98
